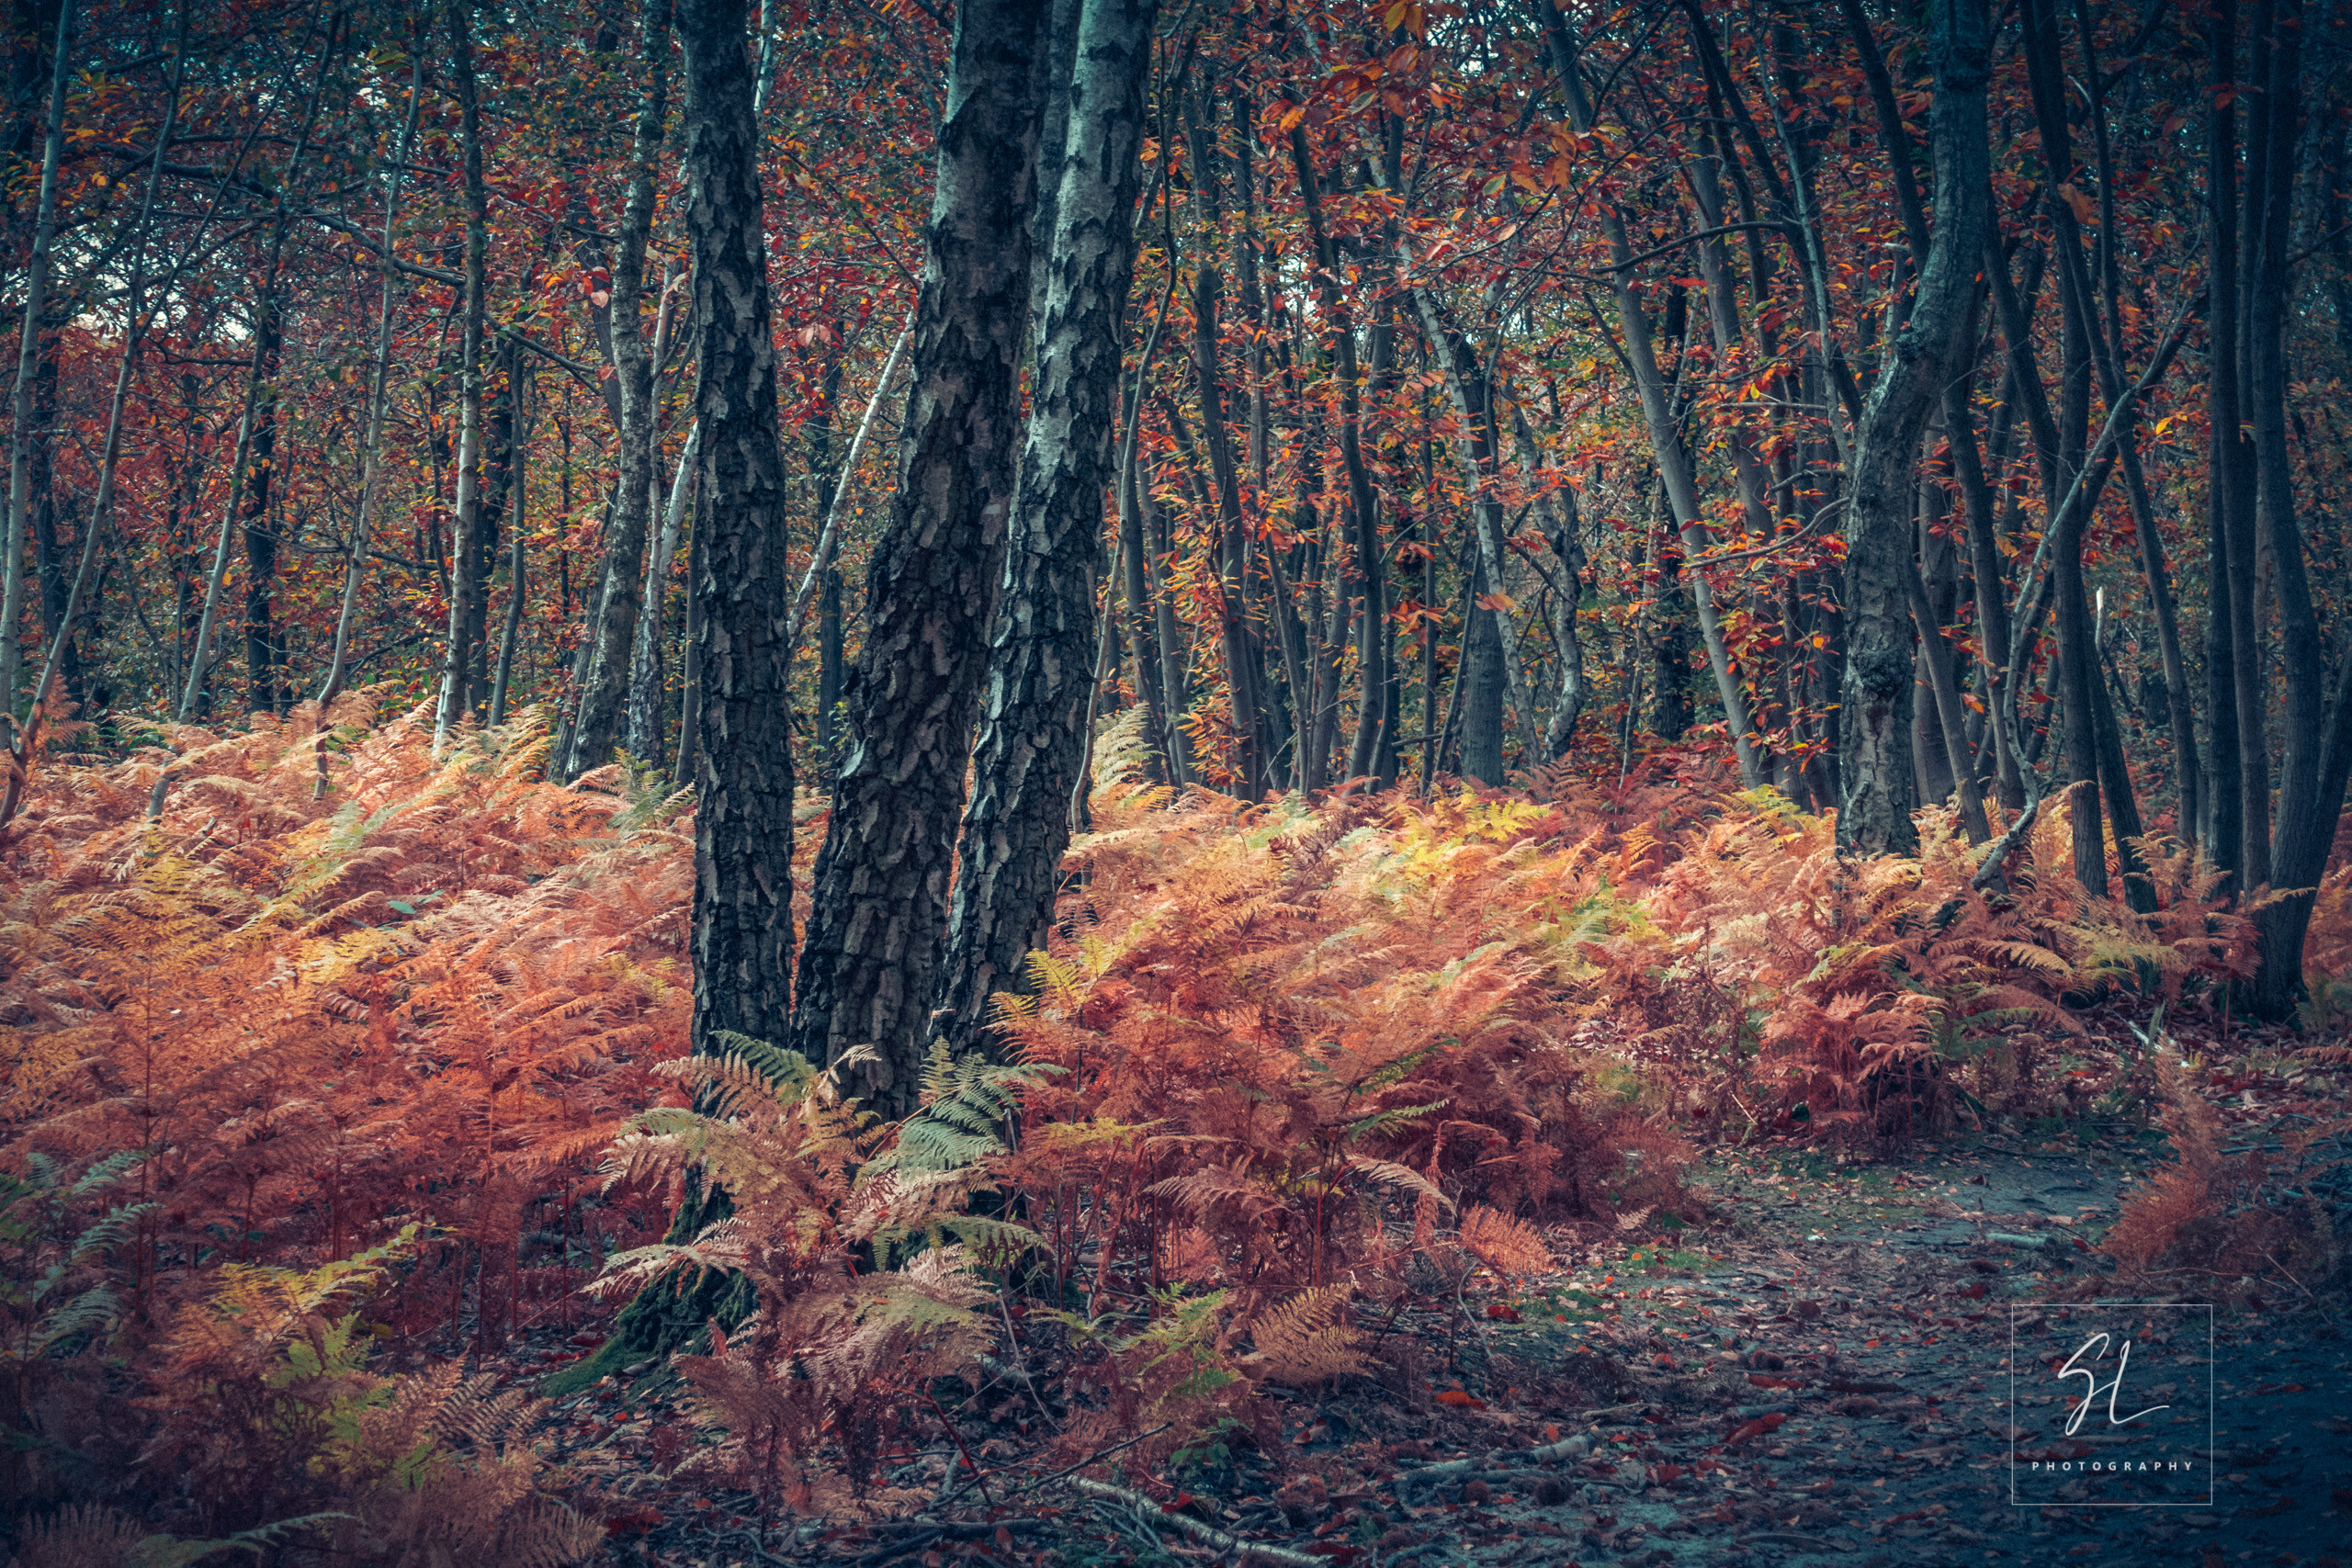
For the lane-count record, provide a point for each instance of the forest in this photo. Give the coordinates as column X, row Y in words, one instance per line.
column 1050, row 782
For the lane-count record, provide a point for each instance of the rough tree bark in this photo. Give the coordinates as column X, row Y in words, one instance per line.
column 1041, row 665
column 879, row 902
column 742, row 592
column 742, row 922
column 1874, row 816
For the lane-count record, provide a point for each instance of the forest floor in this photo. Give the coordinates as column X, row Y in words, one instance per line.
column 1820, row 1374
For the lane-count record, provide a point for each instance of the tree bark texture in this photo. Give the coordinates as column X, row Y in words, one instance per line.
column 1874, row 816
column 879, row 909
column 1032, row 734
column 742, row 904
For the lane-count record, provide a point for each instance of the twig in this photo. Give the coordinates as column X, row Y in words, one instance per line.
column 1020, row 1367
column 970, row 1463
column 929, row 1533
column 1990, row 872
column 1207, row 1535
column 1430, row 1474
column 1097, row 1457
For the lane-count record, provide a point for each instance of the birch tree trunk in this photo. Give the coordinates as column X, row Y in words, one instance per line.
column 879, row 905
column 613, row 634
column 1032, row 733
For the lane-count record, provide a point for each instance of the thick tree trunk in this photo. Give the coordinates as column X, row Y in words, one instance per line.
column 2311, row 774
column 743, row 907
column 880, row 898
column 612, row 636
column 1032, row 732
column 1874, row 815
column 741, row 594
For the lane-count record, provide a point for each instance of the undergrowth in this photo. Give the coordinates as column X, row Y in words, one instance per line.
column 317, row 1098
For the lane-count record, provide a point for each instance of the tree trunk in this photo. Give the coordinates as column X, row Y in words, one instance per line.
column 458, row 667
column 51, row 559
column 2241, row 772
column 879, row 905
column 612, row 636
column 1373, row 750
column 742, row 919
column 518, row 580
column 27, row 353
column 371, row 448
column 647, row 697
column 262, row 656
column 1032, row 731
column 1664, row 426
column 1244, row 672
column 2311, row 774
column 1874, row 815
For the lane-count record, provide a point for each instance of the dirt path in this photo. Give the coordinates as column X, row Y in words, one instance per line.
column 1845, row 1348
column 1821, row 1376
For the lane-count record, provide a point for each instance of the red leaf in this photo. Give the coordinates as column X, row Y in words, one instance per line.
column 1460, row 1400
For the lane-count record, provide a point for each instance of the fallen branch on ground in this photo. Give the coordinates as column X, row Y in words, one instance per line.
column 1215, row 1539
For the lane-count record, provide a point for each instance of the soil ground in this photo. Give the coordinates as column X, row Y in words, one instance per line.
column 1821, row 1375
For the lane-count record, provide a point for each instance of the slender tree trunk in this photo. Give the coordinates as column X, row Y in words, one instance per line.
column 262, row 657
column 690, row 677
column 612, row 634
column 1244, row 672
column 371, row 449
column 461, row 664
column 879, row 905
column 49, row 555
column 256, row 382
column 647, row 698
column 2242, row 800
column 1033, row 720
column 1665, row 429
column 1480, row 453
column 21, row 434
column 1372, row 751
column 825, row 477
column 518, row 581
column 1134, row 561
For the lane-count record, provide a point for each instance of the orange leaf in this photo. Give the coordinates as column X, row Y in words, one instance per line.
column 1460, row 1400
